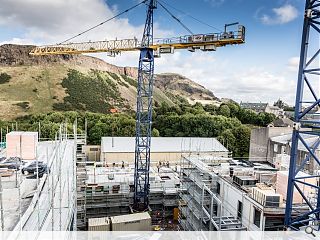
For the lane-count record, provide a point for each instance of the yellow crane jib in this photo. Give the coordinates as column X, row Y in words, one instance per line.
column 204, row 42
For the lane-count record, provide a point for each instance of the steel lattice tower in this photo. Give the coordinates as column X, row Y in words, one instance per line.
column 306, row 132
column 144, row 114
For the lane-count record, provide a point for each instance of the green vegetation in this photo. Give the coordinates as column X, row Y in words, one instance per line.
column 177, row 99
column 129, row 80
column 4, row 78
column 118, row 79
column 92, row 92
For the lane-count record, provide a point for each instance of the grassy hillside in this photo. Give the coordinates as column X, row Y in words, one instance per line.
column 31, row 85
column 31, row 89
column 41, row 89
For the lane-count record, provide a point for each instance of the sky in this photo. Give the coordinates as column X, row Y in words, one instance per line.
column 263, row 69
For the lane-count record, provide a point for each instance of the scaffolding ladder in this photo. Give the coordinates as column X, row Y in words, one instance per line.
column 81, row 177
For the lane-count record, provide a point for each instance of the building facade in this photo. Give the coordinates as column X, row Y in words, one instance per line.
column 226, row 194
column 263, row 108
column 260, row 142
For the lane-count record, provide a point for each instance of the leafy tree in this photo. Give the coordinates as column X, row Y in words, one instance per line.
column 211, row 108
column 242, row 134
column 224, row 110
column 234, row 109
column 155, row 132
column 228, row 139
column 247, row 116
column 263, row 119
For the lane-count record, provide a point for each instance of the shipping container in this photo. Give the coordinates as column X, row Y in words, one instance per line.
column 99, row 224
column 131, row 222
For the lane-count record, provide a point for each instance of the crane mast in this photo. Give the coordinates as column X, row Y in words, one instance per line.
column 144, row 114
column 306, row 127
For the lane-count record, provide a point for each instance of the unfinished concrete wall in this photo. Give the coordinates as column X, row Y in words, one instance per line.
column 259, row 142
column 231, row 196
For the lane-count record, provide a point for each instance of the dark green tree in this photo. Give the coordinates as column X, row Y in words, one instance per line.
column 224, row 110
column 242, row 144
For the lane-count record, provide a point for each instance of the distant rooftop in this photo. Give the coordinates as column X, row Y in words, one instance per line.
column 282, row 122
column 163, row 144
column 254, row 106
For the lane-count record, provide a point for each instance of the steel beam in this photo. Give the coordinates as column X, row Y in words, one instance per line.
column 306, row 119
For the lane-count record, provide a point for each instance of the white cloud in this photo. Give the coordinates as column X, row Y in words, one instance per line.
column 22, row 41
column 293, row 64
column 226, row 78
column 281, row 15
column 52, row 21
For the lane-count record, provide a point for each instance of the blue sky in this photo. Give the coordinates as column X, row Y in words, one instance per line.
column 263, row 69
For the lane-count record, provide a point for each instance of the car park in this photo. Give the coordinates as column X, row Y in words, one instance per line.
column 12, row 163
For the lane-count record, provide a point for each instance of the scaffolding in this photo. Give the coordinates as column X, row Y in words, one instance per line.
column 109, row 192
column 81, row 177
column 200, row 206
column 36, row 203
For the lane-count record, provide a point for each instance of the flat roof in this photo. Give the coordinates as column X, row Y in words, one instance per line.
column 21, row 133
column 130, row 217
column 287, row 139
column 163, row 144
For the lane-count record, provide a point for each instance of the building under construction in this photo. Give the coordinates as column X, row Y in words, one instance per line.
column 204, row 189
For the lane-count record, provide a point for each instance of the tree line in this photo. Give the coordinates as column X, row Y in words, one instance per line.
column 230, row 124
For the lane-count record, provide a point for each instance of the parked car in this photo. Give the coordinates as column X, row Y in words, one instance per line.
column 32, row 168
column 40, row 173
column 12, row 163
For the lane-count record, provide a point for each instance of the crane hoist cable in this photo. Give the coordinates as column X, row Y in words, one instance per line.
column 98, row 25
column 189, row 15
column 175, row 18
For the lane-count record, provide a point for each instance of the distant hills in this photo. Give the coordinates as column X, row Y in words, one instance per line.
column 76, row 82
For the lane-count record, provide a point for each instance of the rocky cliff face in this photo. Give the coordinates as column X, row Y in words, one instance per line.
column 18, row 55
column 182, row 86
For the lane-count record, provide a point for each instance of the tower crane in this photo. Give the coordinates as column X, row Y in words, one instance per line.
column 306, row 127
column 149, row 49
